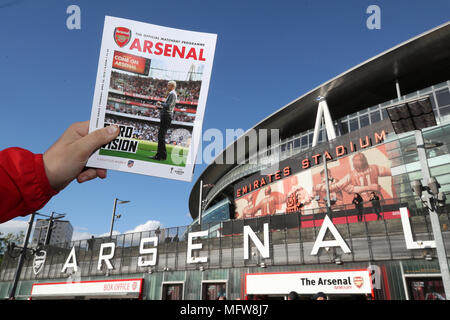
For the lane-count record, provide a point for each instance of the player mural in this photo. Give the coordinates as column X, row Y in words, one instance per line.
column 366, row 173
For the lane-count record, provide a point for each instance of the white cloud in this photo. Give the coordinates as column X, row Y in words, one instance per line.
column 14, row 226
column 83, row 233
column 149, row 225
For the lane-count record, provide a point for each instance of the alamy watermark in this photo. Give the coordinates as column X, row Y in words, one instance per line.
column 374, row 20
column 235, row 147
column 73, row 21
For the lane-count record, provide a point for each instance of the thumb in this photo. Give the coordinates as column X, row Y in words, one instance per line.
column 94, row 140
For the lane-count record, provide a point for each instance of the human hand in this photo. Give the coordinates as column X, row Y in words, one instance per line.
column 66, row 159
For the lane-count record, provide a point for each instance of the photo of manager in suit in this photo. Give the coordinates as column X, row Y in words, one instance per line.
column 165, row 120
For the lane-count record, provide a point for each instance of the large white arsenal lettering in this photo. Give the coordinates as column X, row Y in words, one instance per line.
column 262, row 246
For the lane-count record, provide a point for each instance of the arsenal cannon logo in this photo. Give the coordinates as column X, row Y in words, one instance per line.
column 38, row 261
column 122, row 36
column 358, row 281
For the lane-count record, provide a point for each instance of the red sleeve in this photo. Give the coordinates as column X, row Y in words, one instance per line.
column 24, row 187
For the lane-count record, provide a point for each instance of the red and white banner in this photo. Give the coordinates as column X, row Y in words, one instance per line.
column 124, row 288
column 311, row 282
column 129, row 62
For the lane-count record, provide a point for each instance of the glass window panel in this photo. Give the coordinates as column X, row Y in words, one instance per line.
column 411, row 95
column 321, row 135
column 444, row 179
column 403, row 178
column 394, row 153
column 396, row 162
column 304, row 141
column 375, row 116
column 344, row 127
column 425, row 91
column 417, row 175
column 407, row 141
column 364, row 120
column 435, row 171
column 440, row 85
column 433, row 103
column 443, row 97
column 411, row 157
column 354, row 124
column 392, row 145
column 384, row 114
column 444, row 111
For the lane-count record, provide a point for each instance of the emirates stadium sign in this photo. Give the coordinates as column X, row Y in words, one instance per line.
column 340, row 148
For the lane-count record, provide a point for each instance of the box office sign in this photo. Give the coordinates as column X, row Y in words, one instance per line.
column 130, row 288
column 329, row 282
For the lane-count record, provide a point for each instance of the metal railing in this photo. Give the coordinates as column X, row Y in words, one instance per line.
column 291, row 238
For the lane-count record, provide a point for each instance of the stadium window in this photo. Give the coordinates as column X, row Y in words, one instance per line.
column 384, row 114
column 321, row 135
column 283, row 147
column 443, row 97
column 297, row 143
column 411, row 95
column 424, row 91
column 364, row 120
column 310, row 139
column 433, row 102
column 290, row 145
column 375, row 116
column 343, row 127
column 354, row 124
column 304, row 141
column 396, row 162
column 353, row 115
column 444, row 111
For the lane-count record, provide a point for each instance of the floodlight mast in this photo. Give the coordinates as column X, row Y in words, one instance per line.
column 415, row 115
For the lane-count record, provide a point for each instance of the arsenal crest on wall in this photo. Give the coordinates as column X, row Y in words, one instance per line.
column 38, row 261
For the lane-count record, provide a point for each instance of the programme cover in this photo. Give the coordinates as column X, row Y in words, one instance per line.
column 153, row 82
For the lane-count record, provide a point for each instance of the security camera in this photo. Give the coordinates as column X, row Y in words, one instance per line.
column 417, row 187
column 434, row 185
column 441, row 199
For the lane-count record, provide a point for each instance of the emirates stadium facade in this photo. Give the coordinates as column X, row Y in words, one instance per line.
column 282, row 218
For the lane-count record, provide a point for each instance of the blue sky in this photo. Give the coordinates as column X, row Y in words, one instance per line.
column 268, row 53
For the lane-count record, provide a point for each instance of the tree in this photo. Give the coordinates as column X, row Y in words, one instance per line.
column 8, row 238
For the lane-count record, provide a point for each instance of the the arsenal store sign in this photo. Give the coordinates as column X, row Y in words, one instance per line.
column 311, row 282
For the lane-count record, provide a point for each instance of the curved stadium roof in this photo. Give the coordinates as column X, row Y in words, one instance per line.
column 416, row 63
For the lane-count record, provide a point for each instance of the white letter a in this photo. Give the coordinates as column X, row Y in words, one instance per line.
column 338, row 242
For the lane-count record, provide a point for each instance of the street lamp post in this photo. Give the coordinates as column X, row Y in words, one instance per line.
column 116, row 202
column 415, row 115
column 434, row 217
column 51, row 226
column 12, row 292
column 24, row 247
